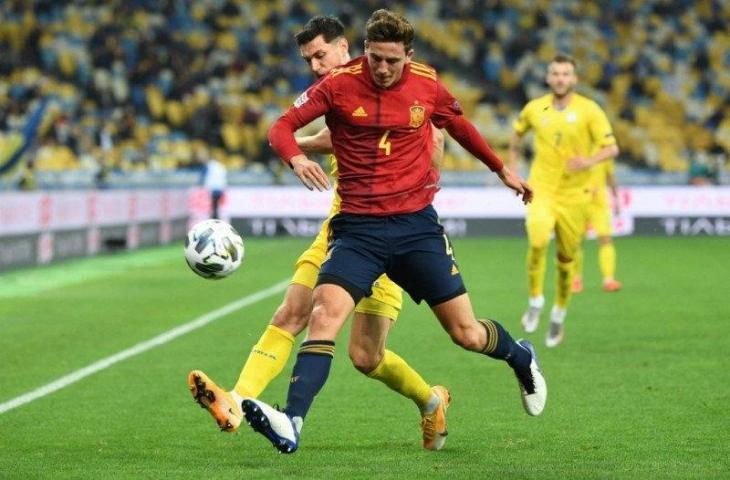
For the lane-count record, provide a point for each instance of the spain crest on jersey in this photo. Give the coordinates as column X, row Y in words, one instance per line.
column 418, row 114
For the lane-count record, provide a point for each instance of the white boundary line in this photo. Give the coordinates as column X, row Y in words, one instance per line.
column 142, row 347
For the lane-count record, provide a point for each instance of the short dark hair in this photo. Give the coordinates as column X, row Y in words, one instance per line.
column 564, row 58
column 387, row 26
column 328, row 26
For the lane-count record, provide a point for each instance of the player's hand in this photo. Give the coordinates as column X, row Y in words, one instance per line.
column 514, row 182
column 310, row 173
column 579, row 163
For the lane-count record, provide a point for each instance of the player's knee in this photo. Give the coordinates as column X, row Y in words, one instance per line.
column 292, row 316
column 364, row 360
column 604, row 240
column 539, row 239
column 321, row 318
column 537, row 249
column 564, row 258
column 467, row 338
column 535, row 256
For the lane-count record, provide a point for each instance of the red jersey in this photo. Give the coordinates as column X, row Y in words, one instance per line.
column 382, row 138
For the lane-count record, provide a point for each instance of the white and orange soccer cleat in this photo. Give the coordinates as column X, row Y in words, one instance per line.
column 611, row 285
column 433, row 424
column 219, row 403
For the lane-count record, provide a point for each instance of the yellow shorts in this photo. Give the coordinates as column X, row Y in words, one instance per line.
column 387, row 297
column 599, row 215
column 567, row 216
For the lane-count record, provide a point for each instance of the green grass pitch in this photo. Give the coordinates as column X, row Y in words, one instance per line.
column 639, row 389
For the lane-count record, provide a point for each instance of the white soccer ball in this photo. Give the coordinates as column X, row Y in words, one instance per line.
column 213, row 249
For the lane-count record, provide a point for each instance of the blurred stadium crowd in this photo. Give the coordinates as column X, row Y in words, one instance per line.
column 161, row 85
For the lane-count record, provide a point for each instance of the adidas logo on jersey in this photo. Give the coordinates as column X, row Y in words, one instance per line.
column 359, row 112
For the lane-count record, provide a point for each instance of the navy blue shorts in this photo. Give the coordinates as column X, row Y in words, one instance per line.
column 412, row 248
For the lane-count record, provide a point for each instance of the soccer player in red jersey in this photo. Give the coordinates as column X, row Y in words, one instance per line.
column 322, row 44
column 380, row 109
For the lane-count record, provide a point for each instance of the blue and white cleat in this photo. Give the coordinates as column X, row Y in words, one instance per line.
column 277, row 426
column 532, row 386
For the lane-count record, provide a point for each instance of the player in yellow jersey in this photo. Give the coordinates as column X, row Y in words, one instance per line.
column 599, row 218
column 323, row 46
column 571, row 135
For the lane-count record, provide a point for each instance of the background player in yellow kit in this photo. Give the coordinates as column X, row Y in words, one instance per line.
column 323, row 46
column 571, row 135
column 604, row 180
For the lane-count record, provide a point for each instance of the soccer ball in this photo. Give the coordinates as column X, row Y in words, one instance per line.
column 213, row 249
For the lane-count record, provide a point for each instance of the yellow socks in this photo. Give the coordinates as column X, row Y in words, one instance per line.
column 265, row 362
column 607, row 260
column 536, row 264
column 578, row 263
column 401, row 377
column 563, row 288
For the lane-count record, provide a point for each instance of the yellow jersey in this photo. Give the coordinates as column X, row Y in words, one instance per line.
column 333, row 173
column 581, row 128
column 600, row 174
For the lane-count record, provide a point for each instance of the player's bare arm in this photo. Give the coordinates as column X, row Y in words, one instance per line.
column 613, row 186
column 514, row 182
column 437, row 158
column 464, row 132
column 580, row 162
column 283, row 142
column 309, row 172
column 514, row 150
column 320, row 142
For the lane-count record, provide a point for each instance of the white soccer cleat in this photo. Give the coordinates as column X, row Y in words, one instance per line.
column 532, row 386
column 531, row 319
column 555, row 335
column 276, row 426
column 556, row 332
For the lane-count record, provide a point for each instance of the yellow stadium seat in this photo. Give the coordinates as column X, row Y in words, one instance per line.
column 232, row 138
column 155, row 102
column 159, row 130
column 175, row 113
column 67, row 62
column 235, row 162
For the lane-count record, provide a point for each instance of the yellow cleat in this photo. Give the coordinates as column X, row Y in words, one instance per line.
column 217, row 401
column 433, row 424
